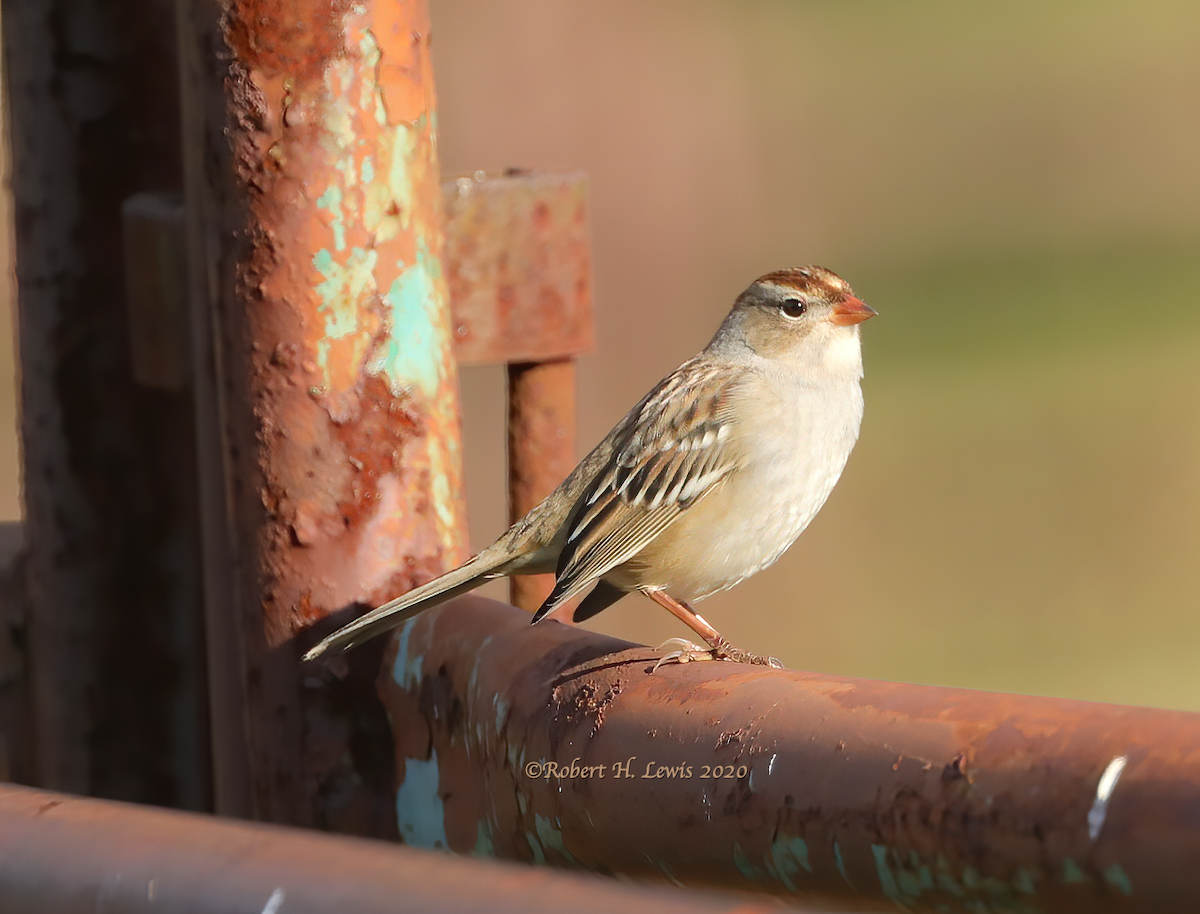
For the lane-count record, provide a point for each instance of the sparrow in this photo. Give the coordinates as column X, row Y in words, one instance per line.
column 705, row 482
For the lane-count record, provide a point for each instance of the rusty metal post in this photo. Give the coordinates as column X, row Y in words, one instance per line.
column 518, row 261
column 541, row 451
column 16, row 720
column 69, row 855
column 551, row 744
column 112, row 561
column 329, row 413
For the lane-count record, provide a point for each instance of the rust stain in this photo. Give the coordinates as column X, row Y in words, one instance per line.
column 293, row 37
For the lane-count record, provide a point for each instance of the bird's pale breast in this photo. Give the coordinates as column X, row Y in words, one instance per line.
column 791, row 444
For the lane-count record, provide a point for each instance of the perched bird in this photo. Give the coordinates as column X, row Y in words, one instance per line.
column 709, row 479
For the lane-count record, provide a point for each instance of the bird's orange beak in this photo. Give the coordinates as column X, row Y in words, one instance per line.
column 851, row 310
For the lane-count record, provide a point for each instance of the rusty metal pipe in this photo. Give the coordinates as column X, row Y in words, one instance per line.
column 66, row 854
column 552, row 744
column 326, row 380
column 541, row 451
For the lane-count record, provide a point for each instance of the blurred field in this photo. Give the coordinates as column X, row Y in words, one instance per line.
column 1014, row 189
column 1020, row 513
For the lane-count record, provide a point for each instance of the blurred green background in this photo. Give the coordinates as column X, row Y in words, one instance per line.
column 1014, row 187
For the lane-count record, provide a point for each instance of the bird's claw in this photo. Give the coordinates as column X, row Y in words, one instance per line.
column 685, row 652
column 726, row 651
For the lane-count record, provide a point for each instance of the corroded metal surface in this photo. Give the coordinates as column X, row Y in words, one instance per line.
column 65, row 854
column 112, row 567
column 331, row 415
column 519, row 268
column 155, row 240
column 551, row 744
column 541, row 451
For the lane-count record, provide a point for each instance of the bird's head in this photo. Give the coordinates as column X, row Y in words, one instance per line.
column 808, row 316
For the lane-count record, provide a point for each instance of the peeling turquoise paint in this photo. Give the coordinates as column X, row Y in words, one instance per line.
column 906, row 882
column 406, row 673
column 841, row 864
column 742, row 862
column 415, row 321
column 887, row 882
column 539, row 856
column 945, row 880
column 344, row 285
column 549, row 837
column 1072, row 874
column 1025, row 881
column 666, row 871
column 516, row 755
column 368, row 47
column 483, row 840
column 368, row 170
column 1116, row 876
column 914, row 879
column 419, row 809
column 331, row 202
column 788, row 857
column 501, row 713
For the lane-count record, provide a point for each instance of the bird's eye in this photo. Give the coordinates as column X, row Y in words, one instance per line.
column 793, row 308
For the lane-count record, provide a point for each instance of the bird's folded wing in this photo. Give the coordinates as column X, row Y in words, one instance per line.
column 674, row 447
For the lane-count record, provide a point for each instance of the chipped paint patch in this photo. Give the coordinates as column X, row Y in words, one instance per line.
column 666, row 871
column 417, row 321
column 406, row 672
column 550, row 836
column 1025, row 881
column 841, row 864
column 945, row 879
column 788, row 857
column 483, row 840
column 742, row 862
column 887, row 882
column 1072, row 874
column 419, row 808
column 342, row 290
column 1116, row 876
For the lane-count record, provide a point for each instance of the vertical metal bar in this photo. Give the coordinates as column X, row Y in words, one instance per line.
column 541, row 450
column 332, row 415
column 112, row 559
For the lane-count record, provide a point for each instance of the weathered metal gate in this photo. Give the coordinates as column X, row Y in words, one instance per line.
column 207, row 494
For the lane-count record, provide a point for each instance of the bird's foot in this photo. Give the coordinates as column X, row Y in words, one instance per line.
column 723, row 650
column 684, row 652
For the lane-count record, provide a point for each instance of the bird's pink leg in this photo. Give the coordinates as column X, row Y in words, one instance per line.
column 721, row 649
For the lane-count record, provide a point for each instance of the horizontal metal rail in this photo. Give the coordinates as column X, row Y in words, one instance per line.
column 556, row 745
column 62, row 854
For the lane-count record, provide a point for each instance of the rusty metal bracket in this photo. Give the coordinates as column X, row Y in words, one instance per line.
column 556, row 745
column 519, row 268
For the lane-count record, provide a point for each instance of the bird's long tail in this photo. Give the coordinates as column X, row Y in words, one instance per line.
column 390, row 615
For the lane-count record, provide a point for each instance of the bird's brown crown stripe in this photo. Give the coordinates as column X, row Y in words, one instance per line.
column 808, row 280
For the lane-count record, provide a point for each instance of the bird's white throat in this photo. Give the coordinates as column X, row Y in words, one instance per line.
column 843, row 353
